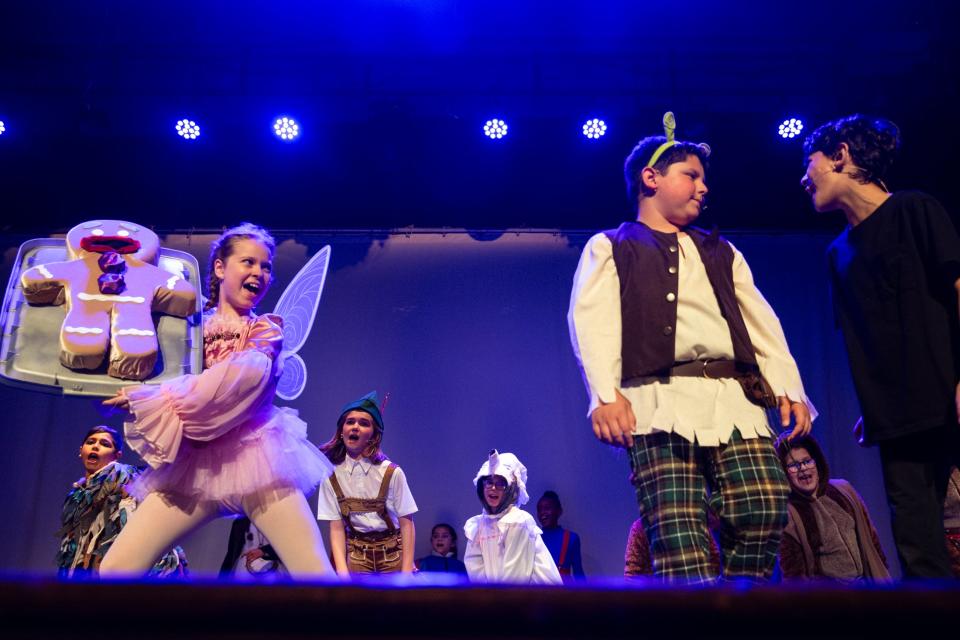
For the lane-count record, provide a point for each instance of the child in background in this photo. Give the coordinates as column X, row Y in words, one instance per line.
column 564, row 545
column 367, row 500
column 829, row 532
column 97, row 508
column 250, row 556
column 503, row 542
column 443, row 539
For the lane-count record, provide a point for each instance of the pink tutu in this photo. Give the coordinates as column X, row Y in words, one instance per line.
column 271, row 452
column 217, row 435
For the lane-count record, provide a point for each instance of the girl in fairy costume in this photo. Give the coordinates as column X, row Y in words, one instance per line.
column 215, row 442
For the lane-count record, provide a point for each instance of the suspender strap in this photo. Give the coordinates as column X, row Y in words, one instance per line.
column 382, row 497
column 385, row 483
column 564, row 547
column 341, row 500
column 376, row 505
column 336, row 486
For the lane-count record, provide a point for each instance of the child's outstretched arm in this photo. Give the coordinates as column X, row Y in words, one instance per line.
column 202, row 406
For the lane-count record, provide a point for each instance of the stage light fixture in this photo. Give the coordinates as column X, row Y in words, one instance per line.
column 188, row 129
column 286, row 128
column 790, row 128
column 594, row 128
column 2, row 128
column 495, row 129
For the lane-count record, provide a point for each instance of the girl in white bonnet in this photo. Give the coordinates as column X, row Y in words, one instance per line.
column 503, row 542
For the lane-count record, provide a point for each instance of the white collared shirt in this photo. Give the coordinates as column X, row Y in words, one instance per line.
column 361, row 479
column 698, row 409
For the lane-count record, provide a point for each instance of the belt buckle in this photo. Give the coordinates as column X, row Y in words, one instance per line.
column 704, row 371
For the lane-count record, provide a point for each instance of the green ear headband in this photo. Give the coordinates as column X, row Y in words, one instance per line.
column 669, row 129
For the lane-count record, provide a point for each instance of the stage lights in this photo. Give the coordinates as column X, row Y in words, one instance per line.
column 594, row 129
column 495, row 129
column 286, row 129
column 188, row 129
column 790, row 128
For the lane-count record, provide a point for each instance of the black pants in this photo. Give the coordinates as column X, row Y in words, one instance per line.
column 916, row 469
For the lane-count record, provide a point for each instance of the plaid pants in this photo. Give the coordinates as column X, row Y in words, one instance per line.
column 741, row 482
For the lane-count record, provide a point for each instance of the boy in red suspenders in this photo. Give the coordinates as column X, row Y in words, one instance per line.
column 564, row 545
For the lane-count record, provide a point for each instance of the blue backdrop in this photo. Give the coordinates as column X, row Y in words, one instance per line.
column 468, row 335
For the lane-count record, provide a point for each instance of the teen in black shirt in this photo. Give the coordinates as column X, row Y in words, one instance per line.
column 895, row 273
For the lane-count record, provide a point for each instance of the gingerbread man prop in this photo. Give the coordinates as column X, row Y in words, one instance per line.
column 111, row 287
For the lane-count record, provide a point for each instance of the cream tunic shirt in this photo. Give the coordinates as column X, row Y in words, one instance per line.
column 698, row 409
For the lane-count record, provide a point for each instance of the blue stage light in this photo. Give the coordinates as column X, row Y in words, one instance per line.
column 2, row 128
column 790, row 128
column 495, row 129
column 188, row 129
column 594, row 128
column 286, row 128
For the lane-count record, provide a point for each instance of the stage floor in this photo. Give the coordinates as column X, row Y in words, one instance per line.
column 47, row 608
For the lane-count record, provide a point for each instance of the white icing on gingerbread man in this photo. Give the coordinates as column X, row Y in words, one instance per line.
column 111, row 286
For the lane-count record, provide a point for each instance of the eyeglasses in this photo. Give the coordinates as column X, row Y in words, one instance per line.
column 795, row 467
column 495, row 483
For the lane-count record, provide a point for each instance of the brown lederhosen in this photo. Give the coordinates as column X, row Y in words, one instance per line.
column 373, row 551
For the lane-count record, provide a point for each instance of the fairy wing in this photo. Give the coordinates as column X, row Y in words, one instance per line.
column 298, row 308
column 293, row 378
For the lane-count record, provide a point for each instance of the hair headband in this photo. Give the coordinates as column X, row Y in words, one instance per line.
column 669, row 129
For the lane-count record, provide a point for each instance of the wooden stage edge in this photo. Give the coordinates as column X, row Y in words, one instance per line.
column 42, row 607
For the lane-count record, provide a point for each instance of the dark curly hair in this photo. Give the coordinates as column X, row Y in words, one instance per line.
column 453, row 536
column 549, row 494
column 783, row 446
column 873, row 144
column 115, row 435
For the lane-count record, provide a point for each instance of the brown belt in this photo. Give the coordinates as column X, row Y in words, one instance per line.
column 755, row 388
column 706, row 369
column 373, row 536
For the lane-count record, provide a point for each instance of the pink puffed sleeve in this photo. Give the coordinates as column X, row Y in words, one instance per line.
column 206, row 406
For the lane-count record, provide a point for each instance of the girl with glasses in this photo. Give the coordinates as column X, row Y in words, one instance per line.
column 829, row 533
column 504, row 543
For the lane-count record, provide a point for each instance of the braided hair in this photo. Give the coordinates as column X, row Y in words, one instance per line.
column 222, row 248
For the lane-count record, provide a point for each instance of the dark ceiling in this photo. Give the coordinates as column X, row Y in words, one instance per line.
column 392, row 94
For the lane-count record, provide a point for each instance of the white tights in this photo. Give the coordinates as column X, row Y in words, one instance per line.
column 157, row 524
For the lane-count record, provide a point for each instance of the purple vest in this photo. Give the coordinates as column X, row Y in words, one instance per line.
column 648, row 264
